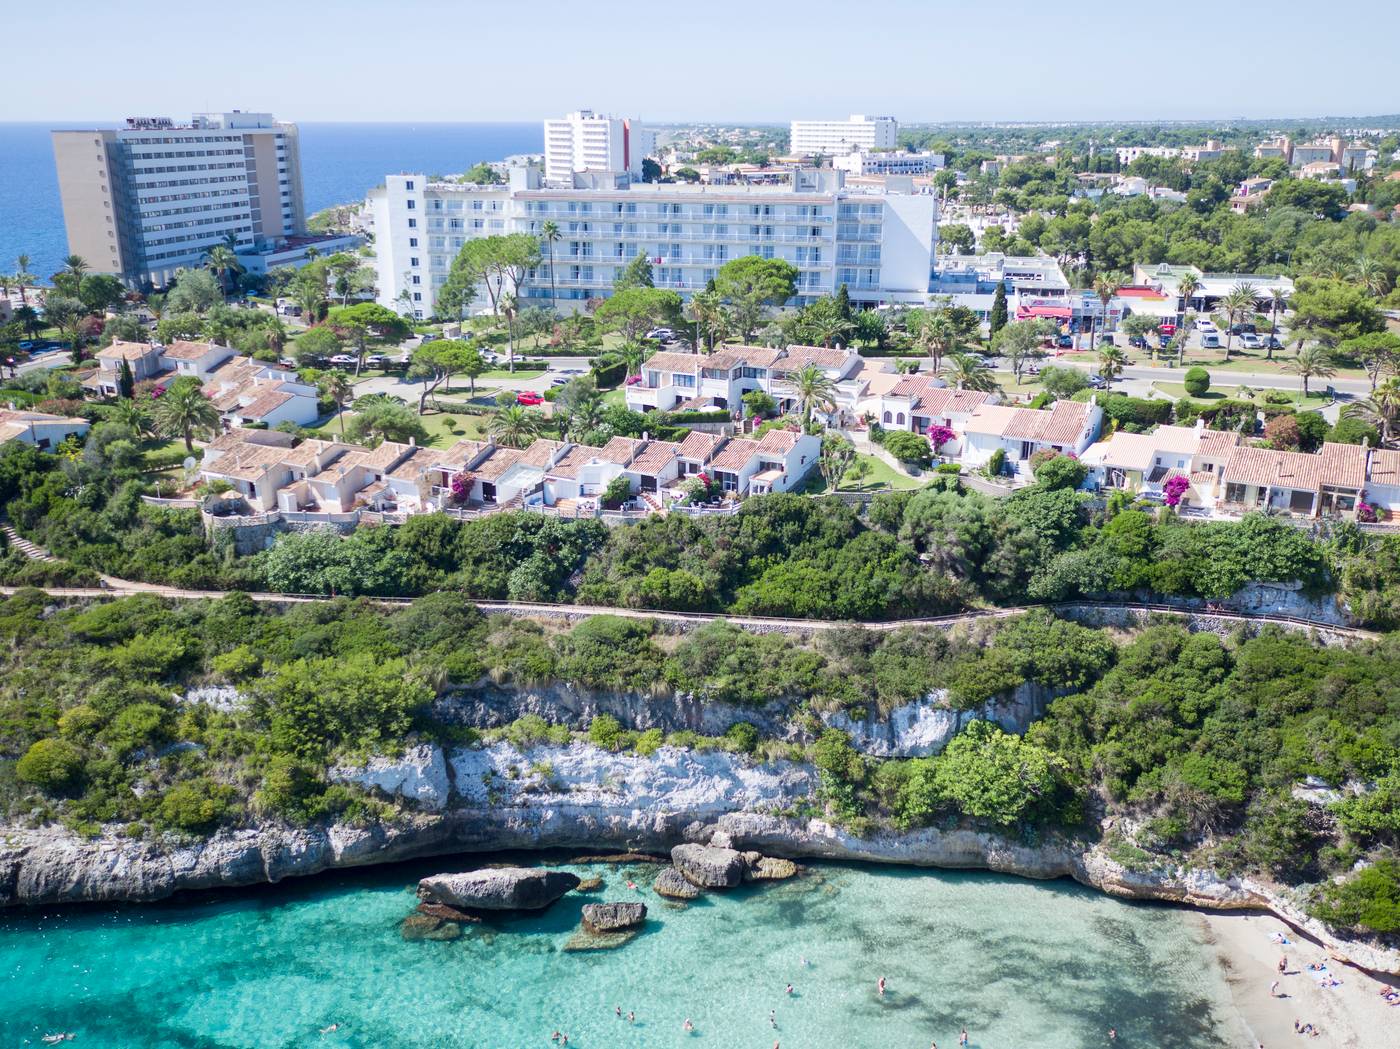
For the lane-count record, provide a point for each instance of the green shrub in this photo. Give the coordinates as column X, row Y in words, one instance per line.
column 911, row 448
column 52, row 765
column 605, row 731
column 1196, row 381
column 1370, row 900
column 197, row 805
column 742, row 737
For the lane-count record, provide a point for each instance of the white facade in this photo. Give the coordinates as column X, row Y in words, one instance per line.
column 895, row 163
column 588, row 141
column 145, row 200
column 879, row 243
column 838, row 137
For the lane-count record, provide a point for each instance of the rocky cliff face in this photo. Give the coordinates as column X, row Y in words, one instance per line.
column 580, row 797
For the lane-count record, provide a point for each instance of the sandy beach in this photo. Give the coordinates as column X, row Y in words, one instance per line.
column 1351, row 1016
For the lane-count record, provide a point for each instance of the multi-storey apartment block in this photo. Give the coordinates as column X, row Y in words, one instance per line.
column 152, row 197
column 588, row 141
column 827, row 138
column 879, row 242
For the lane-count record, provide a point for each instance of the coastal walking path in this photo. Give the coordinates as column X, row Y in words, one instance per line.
column 543, row 609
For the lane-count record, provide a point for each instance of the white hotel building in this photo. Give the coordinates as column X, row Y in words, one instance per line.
column 828, row 138
column 588, row 141
column 880, row 243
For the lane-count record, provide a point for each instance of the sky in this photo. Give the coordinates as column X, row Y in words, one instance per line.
column 718, row 60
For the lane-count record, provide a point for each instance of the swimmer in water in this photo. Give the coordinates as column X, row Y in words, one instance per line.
column 332, row 1027
column 789, row 990
column 687, row 1026
column 881, row 986
column 962, row 1038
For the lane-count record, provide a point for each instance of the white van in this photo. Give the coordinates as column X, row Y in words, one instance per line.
column 1210, row 340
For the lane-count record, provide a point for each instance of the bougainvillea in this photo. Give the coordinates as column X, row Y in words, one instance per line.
column 1175, row 488
column 461, row 487
column 938, row 435
column 1366, row 513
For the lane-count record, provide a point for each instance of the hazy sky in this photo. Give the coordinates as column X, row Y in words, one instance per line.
column 755, row 60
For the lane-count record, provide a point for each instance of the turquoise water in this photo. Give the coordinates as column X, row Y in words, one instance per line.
column 1021, row 964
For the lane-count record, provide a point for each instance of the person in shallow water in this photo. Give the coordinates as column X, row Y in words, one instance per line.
column 687, row 1027
column 962, row 1038
column 881, row 986
column 331, row 1028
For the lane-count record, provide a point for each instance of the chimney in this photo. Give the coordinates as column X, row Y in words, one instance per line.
column 1200, row 423
column 412, row 441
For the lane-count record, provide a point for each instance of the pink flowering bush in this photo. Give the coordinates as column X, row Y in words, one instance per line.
column 461, row 487
column 938, row 435
column 1366, row 513
column 1175, row 488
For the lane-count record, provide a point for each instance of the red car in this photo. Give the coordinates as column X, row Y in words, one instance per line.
column 528, row 398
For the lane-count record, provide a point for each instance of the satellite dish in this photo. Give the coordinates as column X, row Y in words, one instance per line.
column 189, row 462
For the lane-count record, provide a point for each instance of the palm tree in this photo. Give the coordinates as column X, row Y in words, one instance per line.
column 968, row 373
column 827, row 330
column 939, row 335
column 508, row 307
column 182, row 409
column 23, row 277
column 75, row 265
column 221, row 259
column 1371, row 275
column 550, row 234
column 810, row 388
column 1187, row 287
column 1111, row 362
column 1312, row 362
column 1380, row 410
column 1238, row 303
column 338, row 387
column 1106, row 286
column 633, row 354
column 132, row 413
column 514, row 426
column 1278, row 300
column 706, row 311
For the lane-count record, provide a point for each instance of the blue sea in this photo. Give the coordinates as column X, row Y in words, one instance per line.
column 339, row 163
column 1019, row 964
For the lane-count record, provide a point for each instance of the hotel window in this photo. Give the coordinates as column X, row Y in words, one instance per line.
column 412, row 223
column 411, row 204
column 413, row 260
column 413, row 242
column 408, row 185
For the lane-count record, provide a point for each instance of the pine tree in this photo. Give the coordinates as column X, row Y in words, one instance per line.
column 997, row 319
column 843, row 303
column 126, row 382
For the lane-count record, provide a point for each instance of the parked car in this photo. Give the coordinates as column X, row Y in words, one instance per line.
column 529, row 398
column 342, row 358
column 1137, row 342
column 661, row 334
column 1205, row 325
column 1097, row 382
column 1272, row 343
column 287, row 362
column 491, row 358
column 1168, row 329
column 375, row 360
column 1105, row 339
column 560, row 381
column 1250, row 341
column 1210, row 340
column 1065, row 342
column 1241, row 329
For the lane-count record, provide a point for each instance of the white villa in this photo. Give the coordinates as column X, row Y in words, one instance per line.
column 43, row 431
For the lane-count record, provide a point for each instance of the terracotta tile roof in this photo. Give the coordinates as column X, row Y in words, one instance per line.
column 420, row 460
column 1343, row 465
column 1264, row 466
column 1385, row 467
column 305, row 454
column 778, row 442
column 182, row 350
column 572, row 461
column 699, row 446
column 464, row 452
column 878, row 383
column 735, row 455
column 1066, row 423
column 497, row 463
column 1130, row 451
column 655, row 457
column 264, row 403
column 1216, row 444
column 912, row 386
column 540, row 452
column 798, row 357
column 247, row 462
column 666, row 361
column 752, row 356
column 128, row 351
column 386, row 455
column 620, row 450
column 342, row 464
column 944, row 400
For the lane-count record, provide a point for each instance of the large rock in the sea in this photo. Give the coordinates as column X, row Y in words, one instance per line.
column 767, row 868
column 428, row 927
column 709, row 867
column 671, row 883
column 609, row 917
column 498, row 889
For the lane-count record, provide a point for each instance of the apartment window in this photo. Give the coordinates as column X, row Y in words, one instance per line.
column 412, row 204
column 417, row 279
column 413, row 260
column 409, row 186
column 412, row 223
column 413, row 242
column 417, row 296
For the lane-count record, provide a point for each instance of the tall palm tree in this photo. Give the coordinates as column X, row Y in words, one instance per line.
column 182, row 409
column 706, row 311
column 514, row 426
column 939, row 335
column 75, row 265
column 1371, row 275
column 968, row 373
column 1278, row 300
column 550, row 234
column 1111, row 362
column 827, row 330
column 133, row 413
column 1238, row 303
column 1106, row 286
column 1312, row 362
column 23, row 277
column 509, row 308
column 1380, row 410
column 338, row 388
column 1187, row 287
column 810, row 388
column 221, row 259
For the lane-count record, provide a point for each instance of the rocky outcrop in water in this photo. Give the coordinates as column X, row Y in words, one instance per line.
column 709, row 867
column 610, row 917
column 671, row 884
column 498, row 888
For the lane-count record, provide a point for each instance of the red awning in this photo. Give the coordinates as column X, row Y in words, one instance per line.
column 1026, row 312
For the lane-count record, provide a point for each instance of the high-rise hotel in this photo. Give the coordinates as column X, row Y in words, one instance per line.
column 146, row 199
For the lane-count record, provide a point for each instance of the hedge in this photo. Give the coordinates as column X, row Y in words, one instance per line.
column 716, row 415
column 610, row 374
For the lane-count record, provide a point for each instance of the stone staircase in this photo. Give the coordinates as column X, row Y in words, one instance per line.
column 24, row 546
column 651, row 502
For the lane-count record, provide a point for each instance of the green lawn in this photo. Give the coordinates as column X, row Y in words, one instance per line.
column 615, row 398
column 519, row 373
column 440, row 435
column 1220, row 393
